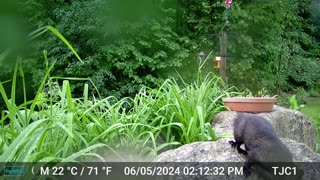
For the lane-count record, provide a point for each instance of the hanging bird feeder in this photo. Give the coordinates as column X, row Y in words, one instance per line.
column 217, row 61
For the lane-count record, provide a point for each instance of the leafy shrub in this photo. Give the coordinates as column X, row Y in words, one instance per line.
column 302, row 95
column 304, row 72
column 313, row 93
column 294, row 104
column 122, row 51
column 283, row 99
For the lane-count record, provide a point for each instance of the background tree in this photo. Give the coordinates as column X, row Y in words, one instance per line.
column 271, row 44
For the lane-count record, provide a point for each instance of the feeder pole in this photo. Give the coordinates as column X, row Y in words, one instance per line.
column 223, row 54
column 223, row 44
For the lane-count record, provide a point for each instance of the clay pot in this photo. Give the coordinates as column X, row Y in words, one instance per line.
column 250, row 104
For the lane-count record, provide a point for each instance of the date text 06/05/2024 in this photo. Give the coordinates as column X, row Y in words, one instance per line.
column 182, row 171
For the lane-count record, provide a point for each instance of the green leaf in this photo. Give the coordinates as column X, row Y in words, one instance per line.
column 83, row 152
column 24, row 136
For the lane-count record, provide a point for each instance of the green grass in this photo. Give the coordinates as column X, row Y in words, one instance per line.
column 312, row 110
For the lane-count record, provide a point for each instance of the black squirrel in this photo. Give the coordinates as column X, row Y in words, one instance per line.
column 263, row 147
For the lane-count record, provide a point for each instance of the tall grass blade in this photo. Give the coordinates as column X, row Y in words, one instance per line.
column 29, row 147
column 13, row 90
column 83, row 152
column 59, row 35
column 38, row 32
column 202, row 124
column 4, row 55
column 85, row 95
column 24, row 136
column 79, row 79
column 42, row 30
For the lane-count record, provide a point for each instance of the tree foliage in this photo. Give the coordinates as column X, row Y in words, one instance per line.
column 123, row 44
column 126, row 44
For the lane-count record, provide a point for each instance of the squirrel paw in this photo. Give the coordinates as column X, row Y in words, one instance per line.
column 233, row 144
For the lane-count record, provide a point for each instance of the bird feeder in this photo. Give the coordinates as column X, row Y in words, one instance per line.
column 217, row 61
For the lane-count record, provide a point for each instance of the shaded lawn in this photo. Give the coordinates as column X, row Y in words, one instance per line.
column 312, row 110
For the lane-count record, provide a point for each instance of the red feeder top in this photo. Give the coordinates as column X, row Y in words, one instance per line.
column 228, row 3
